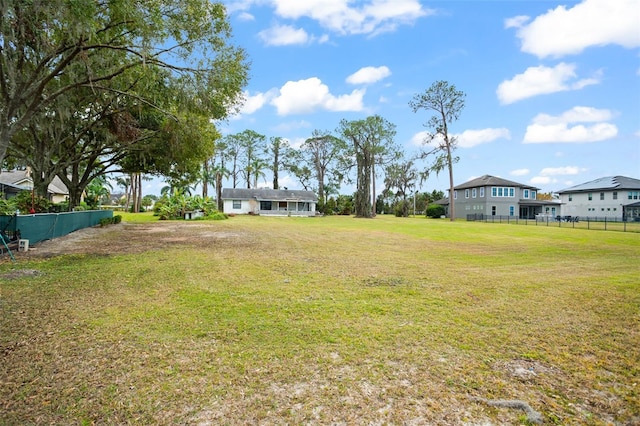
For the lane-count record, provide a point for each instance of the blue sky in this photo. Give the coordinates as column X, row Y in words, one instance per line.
column 553, row 87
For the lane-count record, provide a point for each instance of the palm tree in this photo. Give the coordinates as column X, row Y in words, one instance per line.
column 125, row 182
column 96, row 190
column 256, row 168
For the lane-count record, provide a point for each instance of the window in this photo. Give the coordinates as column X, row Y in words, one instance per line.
column 482, row 192
column 237, row 204
column 466, row 193
column 493, row 210
column 570, row 197
column 601, row 196
column 455, row 195
column 512, row 210
column 502, row 192
column 533, row 195
column 615, row 195
column 590, row 196
column 526, row 193
column 474, row 192
column 633, row 195
column 265, row 205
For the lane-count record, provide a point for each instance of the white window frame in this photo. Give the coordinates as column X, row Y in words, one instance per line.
column 466, row 193
column 482, row 192
column 474, row 192
column 237, row 204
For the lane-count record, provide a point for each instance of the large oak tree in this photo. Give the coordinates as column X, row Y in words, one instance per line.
column 115, row 49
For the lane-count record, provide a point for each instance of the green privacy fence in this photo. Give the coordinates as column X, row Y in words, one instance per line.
column 40, row 227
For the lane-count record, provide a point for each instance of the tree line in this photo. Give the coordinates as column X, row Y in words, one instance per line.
column 356, row 152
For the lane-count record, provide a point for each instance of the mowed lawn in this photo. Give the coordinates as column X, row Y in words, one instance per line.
column 332, row 320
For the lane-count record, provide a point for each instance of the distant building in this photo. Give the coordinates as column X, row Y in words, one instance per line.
column 493, row 196
column 276, row 202
column 608, row 197
column 14, row 181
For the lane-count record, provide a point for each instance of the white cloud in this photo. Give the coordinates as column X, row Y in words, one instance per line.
column 368, row 75
column 471, row 138
column 338, row 16
column 419, row 138
column 578, row 114
column 564, row 171
column 541, row 180
column 246, row 16
column 520, row 172
column 563, row 31
column 548, row 175
column 466, row 139
column 252, row 103
column 546, row 128
column 516, row 21
column 306, row 96
column 283, row 35
column 542, row 80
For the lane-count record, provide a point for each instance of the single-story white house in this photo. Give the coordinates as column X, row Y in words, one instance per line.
column 263, row 201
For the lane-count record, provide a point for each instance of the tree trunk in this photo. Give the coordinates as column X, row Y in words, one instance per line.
column 363, row 194
column 373, row 186
column 452, row 201
column 219, row 191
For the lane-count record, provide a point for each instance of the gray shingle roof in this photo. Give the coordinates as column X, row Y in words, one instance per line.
column 488, row 180
column 609, row 183
column 21, row 179
column 268, row 194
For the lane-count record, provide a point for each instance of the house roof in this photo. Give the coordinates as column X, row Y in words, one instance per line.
column 14, row 188
column 265, row 194
column 22, row 180
column 488, row 180
column 609, row 183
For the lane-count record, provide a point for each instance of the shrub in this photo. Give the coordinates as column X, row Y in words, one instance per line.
column 218, row 216
column 25, row 200
column 435, row 211
column 110, row 220
column 7, row 207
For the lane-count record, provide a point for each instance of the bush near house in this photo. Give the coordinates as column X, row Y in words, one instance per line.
column 435, row 211
column 175, row 206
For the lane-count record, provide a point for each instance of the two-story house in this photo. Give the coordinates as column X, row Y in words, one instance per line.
column 615, row 197
column 493, row 196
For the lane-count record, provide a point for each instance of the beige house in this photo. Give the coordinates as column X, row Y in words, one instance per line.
column 13, row 181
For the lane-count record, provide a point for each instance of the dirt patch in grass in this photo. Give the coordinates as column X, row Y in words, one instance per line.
column 127, row 238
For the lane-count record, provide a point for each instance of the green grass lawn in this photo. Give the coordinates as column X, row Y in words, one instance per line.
column 334, row 320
